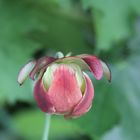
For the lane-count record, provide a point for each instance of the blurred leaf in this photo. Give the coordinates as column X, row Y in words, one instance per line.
column 112, row 20
column 115, row 134
column 30, row 125
column 134, row 42
column 15, row 50
column 7, row 130
column 10, row 91
column 126, row 92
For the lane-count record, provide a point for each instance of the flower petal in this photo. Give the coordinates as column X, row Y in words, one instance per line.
column 42, row 98
column 106, row 71
column 94, row 64
column 41, row 63
column 64, row 91
column 59, row 55
column 74, row 60
column 24, row 72
column 84, row 105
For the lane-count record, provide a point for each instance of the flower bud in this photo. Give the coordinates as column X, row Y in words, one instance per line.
column 63, row 87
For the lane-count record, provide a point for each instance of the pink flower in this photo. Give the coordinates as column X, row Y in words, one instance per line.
column 62, row 86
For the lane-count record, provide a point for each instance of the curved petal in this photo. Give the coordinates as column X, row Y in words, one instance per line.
column 59, row 55
column 94, row 64
column 42, row 98
column 24, row 72
column 74, row 60
column 64, row 91
column 84, row 105
column 106, row 71
column 41, row 63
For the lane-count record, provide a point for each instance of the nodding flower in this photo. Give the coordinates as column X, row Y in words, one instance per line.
column 62, row 86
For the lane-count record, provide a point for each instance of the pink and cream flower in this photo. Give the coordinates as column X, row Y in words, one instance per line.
column 62, row 86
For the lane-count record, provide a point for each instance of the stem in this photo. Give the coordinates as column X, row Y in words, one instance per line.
column 47, row 126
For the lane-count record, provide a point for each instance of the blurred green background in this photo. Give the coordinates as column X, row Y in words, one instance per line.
column 109, row 29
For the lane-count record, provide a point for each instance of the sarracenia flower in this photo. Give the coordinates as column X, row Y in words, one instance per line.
column 62, row 86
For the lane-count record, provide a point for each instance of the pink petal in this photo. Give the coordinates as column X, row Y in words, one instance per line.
column 42, row 98
column 41, row 63
column 84, row 105
column 94, row 64
column 64, row 91
column 106, row 71
column 24, row 72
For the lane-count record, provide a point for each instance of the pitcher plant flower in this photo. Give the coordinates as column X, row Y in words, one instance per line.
column 62, row 86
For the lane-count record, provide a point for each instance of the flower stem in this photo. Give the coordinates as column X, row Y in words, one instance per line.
column 47, row 127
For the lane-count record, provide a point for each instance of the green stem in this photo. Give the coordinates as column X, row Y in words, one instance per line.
column 47, row 127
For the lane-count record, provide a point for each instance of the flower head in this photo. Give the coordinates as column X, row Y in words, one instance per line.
column 62, row 86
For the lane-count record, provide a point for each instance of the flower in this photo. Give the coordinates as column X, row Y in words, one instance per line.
column 62, row 86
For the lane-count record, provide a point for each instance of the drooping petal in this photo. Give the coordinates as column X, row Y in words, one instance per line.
column 41, row 63
column 94, row 64
column 64, row 91
column 24, row 72
column 42, row 98
column 84, row 105
column 106, row 71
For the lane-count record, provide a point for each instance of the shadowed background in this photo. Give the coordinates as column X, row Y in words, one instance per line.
column 109, row 29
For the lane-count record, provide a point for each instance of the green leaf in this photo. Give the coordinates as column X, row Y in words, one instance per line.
column 30, row 125
column 127, row 97
column 112, row 20
column 15, row 50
